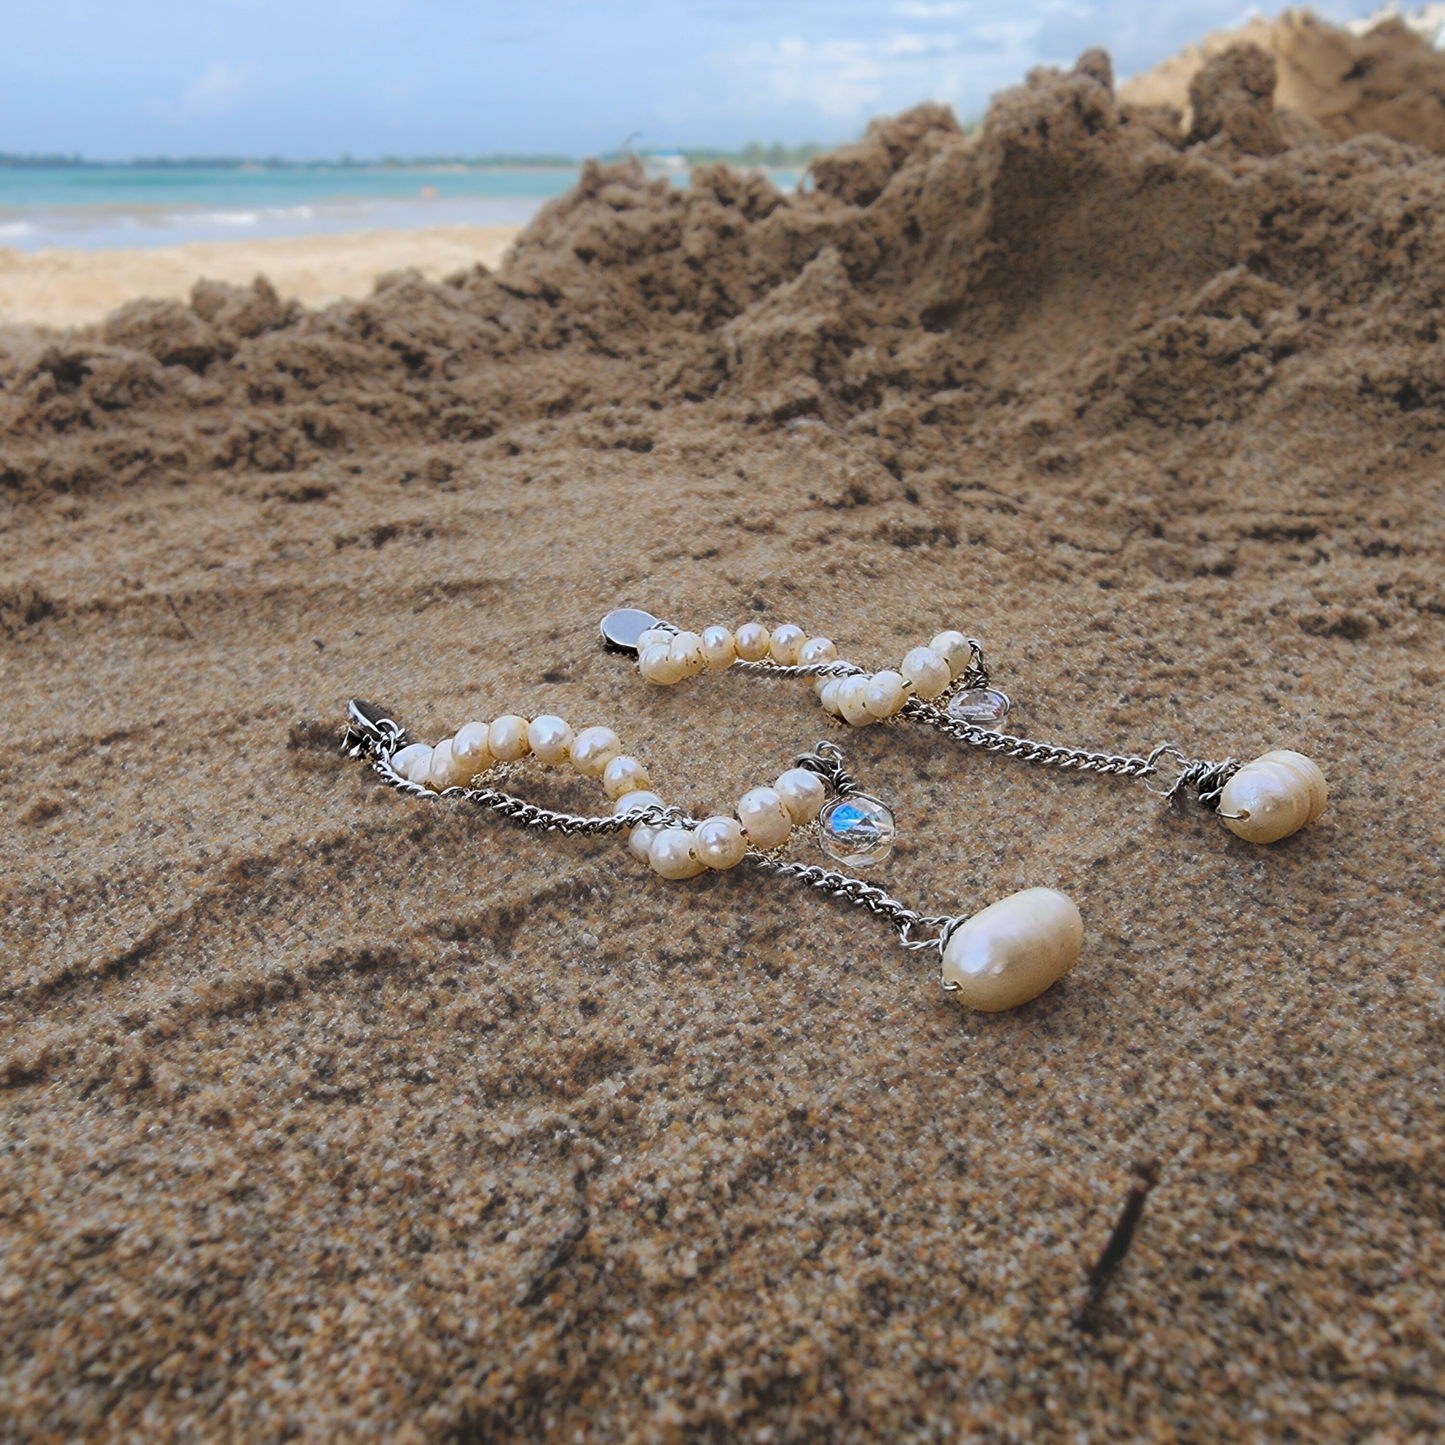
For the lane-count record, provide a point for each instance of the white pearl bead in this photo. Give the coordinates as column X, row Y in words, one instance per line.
column 927, row 671
column 803, row 794
column 1277, row 794
column 441, row 770
column 414, row 757
column 624, row 774
column 852, row 700
column 656, row 665
column 817, row 649
column 686, row 653
column 507, row 738
column 670, row 854
column 719, row 842
column 1014, row 949
column 631, row 802
column 764, row 818
column 787, row 642
column 470, row 749
column 718, row 648
column 752, row 641
column 828, row 695
column 639, row 841
column 886, row 693
column 593, row 749
column 550, row 739
column 953, row 648
column 652, row 635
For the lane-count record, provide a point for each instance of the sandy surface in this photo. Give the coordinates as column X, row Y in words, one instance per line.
column 329, row 1115
column 62, row 287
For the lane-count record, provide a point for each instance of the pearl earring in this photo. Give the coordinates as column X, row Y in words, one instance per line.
column 1000, row 957
column 946, row 686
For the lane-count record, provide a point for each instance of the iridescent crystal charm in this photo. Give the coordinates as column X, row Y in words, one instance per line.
column 983, row 707
column 857, row 830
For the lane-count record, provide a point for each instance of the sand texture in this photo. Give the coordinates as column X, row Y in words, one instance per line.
column 333, row 1116
column 1389, row 80
column 60, row 287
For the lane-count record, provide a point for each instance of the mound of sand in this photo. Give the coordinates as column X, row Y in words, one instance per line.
column 332, row 1115
column 1388, row 79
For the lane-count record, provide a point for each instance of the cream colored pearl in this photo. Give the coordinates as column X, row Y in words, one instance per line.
column 550, row 739
column 639, row 839
column 718, row 648
column 655, row 663
column 441, row 770
column 507, row 738
column 787, row 642
column 470, row 749
column 828, row 695
column 852, row 700
column 1276, row 794
column 886, row 693
column 927, row 671
column 817, row 649
column 624, row 775
column 416, row 757
column 803, row 794
column 953, row 648
column 593, row 749
column 764, row 817
column 654, row 635
column 670, row 854
column 686, row 653
column 631, row 802
column 1014, row 949
column 719, row 843
column 752, row 641
column 639, row 842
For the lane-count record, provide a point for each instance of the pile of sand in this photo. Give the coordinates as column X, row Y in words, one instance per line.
column 332, row 1115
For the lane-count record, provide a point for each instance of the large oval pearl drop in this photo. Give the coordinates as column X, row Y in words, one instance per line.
column 1274, row 796
column 507, row 738
column 670, row 854
column 549, row 738
column 927, row 671
column 765, row 818
column 803, row 794
column 1014, row 949
column 719, row 842
column 593, row 749
column 718, row 648
column 752, row 641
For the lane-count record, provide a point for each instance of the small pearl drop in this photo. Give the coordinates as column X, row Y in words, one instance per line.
column 656, row 664
column 719, row 842
column 953, row 648
column 818, row 649
column 852, row 701
column 927, row 671
column 470, row 750
column 752, row 641
column 787, row 642
column 828, row 695
column 803, row 794
column 670, row 854
column 1278, row 794
column 764, row 817
column 408, row 758
column 507, row 738
column 686, row 653
column 886, row 693
column 624, row 775
column 1014, row 949
column 593, row 749
column 550, row 739
column 718, row 648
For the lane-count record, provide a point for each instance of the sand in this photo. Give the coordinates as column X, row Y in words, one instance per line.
column 330, row 1115
column 63, row 286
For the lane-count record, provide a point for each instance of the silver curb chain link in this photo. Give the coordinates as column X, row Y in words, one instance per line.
column 375, row 738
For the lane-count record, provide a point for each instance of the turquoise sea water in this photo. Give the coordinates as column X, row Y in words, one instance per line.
column 103, row 206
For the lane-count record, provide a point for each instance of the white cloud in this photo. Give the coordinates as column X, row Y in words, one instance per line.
column 834, row 77
column 217, row 90
column 932, row 9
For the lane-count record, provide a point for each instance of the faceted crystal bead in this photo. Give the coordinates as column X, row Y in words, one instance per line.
column 857, row 830
column 979, row 706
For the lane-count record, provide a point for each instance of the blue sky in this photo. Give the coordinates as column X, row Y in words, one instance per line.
column 118, row 78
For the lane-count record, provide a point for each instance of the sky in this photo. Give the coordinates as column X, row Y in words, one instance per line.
column 113, row 79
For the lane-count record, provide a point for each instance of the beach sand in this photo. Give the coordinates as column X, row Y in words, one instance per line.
column 60, row 287
column 332, row 1115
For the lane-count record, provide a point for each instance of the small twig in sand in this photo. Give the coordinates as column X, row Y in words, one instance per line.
column 179, row 618
column 1146, row 1171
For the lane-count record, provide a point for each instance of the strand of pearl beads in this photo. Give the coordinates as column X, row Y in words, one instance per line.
column 764, row 817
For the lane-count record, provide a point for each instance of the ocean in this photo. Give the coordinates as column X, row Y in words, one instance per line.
column 96, row 207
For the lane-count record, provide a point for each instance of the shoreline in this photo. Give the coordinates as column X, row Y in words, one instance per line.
column 61, row 287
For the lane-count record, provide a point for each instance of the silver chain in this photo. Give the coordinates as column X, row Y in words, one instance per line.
column 376, row 738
